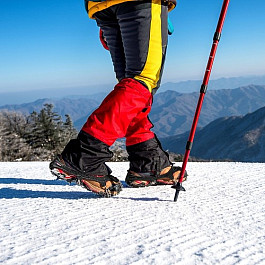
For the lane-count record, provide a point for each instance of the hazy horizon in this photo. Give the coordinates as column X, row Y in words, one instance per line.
column 185, row 86
column 100, row 87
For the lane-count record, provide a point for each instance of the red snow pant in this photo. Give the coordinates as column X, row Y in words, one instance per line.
column 136, row 34
column 123, row 113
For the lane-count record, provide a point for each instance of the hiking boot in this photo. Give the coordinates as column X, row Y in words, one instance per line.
column 105, row 186
column 171, row 177
column 137, row 180
column 62, row 170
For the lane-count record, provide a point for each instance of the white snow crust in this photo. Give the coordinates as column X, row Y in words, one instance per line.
column 218, row 220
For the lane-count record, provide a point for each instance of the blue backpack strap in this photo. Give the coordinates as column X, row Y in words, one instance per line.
column 170, row 27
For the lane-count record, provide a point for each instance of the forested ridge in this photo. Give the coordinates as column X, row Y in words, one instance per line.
column 35, row 137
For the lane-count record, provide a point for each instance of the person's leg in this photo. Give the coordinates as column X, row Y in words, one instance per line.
column 86, row 156
column 143, row 29
column 144, row 149
column 125, row 28
column 149, row 163
column 83, row 159
column 145, row 22
column 89, row 152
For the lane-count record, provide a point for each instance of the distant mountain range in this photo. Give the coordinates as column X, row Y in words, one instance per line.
column 238, row 138
column 216, row 84
column 172, row 112
column 19, row 97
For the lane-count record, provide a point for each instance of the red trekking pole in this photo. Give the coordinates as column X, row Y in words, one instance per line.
column 178, row 186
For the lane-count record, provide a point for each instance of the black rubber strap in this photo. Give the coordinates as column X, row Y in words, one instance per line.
column 151, row 177
column 142, row 176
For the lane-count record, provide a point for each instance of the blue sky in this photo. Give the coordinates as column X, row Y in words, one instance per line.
column 53, row 44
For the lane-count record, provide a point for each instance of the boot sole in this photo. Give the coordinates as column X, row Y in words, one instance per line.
column 115, row 189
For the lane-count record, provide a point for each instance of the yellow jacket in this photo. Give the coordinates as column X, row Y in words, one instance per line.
column 93, row 7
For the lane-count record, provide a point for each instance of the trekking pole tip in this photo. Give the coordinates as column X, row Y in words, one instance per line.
column 178, row 187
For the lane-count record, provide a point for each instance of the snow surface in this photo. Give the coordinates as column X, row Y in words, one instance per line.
column 218, row 220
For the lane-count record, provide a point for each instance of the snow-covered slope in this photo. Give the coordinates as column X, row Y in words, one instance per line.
column 220, row 219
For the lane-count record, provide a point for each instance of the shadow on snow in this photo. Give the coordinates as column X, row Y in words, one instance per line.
column 9, row 193
column 32, row 181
